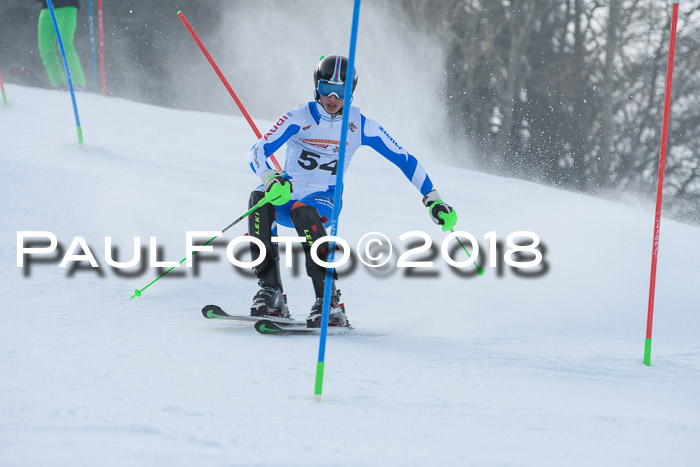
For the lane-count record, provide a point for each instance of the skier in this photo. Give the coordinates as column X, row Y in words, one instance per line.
column 302, row 196
column 66, row 16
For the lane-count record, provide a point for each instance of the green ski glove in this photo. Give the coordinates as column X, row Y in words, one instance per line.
column 278, row 190
column 440, row 212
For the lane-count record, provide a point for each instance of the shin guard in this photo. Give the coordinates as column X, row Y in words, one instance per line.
column 261, row 223
column 308, row 224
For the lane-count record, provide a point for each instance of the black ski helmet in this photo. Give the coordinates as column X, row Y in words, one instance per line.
column 334, row 70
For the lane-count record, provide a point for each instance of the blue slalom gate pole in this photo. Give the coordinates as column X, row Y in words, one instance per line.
column 65, row 64
column 320, row 366
column 92, row 46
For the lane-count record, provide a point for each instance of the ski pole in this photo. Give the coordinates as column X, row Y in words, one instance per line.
column 262, row 202
column 2, row 88
column 70, row 80
column 479, row 269
column 223, row 79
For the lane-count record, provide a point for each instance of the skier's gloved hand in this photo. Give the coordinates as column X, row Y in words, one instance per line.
column 278, row 190
column 440, row 212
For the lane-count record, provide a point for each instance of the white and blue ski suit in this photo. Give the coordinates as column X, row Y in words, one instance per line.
column 313, row 144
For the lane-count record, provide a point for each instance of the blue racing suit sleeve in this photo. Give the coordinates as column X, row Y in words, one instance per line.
column 285, row 127
column 376, row 137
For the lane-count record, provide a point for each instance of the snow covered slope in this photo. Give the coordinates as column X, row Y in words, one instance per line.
column 445, row 370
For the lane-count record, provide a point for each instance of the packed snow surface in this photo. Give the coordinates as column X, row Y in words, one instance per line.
column 538, row 366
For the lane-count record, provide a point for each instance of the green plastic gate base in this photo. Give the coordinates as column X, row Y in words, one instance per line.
column 647, row 351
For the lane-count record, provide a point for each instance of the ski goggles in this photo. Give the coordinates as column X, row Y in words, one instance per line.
column 327, row 88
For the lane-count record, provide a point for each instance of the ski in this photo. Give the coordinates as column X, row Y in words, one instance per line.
column 216, row 312
column 272, row 324
column 266, row 326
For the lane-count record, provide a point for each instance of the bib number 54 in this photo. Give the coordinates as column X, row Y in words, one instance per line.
column 309, row 161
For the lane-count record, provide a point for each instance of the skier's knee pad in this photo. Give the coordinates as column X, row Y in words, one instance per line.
column 309, row 225
column 307, row 222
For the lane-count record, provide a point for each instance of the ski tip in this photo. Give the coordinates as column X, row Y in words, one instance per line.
column 265, row 326
column 213, row 311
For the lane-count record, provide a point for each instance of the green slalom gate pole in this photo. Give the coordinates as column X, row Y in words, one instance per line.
column 70, row 80
column 262, row 202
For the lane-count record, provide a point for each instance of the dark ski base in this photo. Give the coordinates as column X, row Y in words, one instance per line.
column 266, row 326
column 216, row 312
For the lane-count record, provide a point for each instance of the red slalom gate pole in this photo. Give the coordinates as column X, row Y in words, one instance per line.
column 225, row 81
column 660, row 184
column 102, row 46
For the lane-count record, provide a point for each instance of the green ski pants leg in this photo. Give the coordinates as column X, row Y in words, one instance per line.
column 67, row 18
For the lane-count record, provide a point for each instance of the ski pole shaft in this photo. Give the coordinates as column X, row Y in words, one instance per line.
column 262, row 202
column 479, row 269
column 2, row 88
column 223, row 79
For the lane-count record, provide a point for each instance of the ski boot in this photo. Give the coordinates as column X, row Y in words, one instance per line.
column 336, row 316
column 269, row 301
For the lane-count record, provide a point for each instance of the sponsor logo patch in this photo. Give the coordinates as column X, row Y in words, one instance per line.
column 278, row 124
column 320, row 143
column 390, row 138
